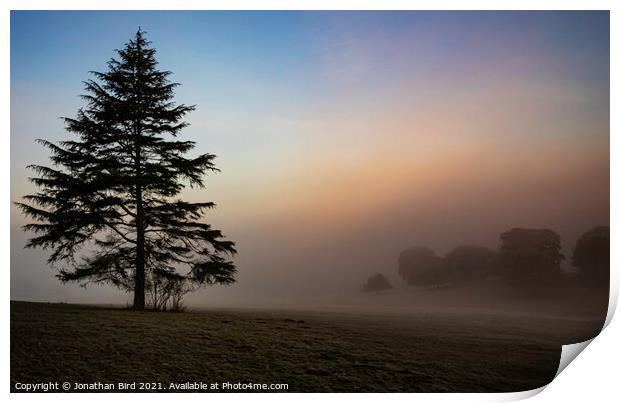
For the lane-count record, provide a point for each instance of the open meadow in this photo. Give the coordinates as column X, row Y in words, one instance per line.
column 428, row 350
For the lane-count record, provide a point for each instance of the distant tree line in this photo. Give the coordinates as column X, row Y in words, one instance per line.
column 526, row 259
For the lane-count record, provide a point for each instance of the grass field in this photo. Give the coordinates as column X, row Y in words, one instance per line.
column 439, row 351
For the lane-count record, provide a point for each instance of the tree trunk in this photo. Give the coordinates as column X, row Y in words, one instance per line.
column 138, row 297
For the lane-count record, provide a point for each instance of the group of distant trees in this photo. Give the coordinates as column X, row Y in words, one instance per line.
column 420, row 265
column 526, row 258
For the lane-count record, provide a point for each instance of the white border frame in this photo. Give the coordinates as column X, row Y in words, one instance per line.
column 594, row 373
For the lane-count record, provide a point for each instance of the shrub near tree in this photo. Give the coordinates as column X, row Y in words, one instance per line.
column 531, row 258
column 377, row 283
column 591, row 256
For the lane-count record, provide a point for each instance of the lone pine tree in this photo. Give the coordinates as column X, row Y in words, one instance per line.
column 108, row 208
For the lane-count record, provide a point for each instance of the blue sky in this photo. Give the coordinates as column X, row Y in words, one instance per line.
column 53, row 48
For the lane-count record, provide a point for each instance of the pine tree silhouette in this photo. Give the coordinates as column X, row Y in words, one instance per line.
column 109, row 208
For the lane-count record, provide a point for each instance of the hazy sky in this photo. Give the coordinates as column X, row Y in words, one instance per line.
column 344, row 137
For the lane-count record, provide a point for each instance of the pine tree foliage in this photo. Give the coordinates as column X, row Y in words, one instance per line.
column 108, row 208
